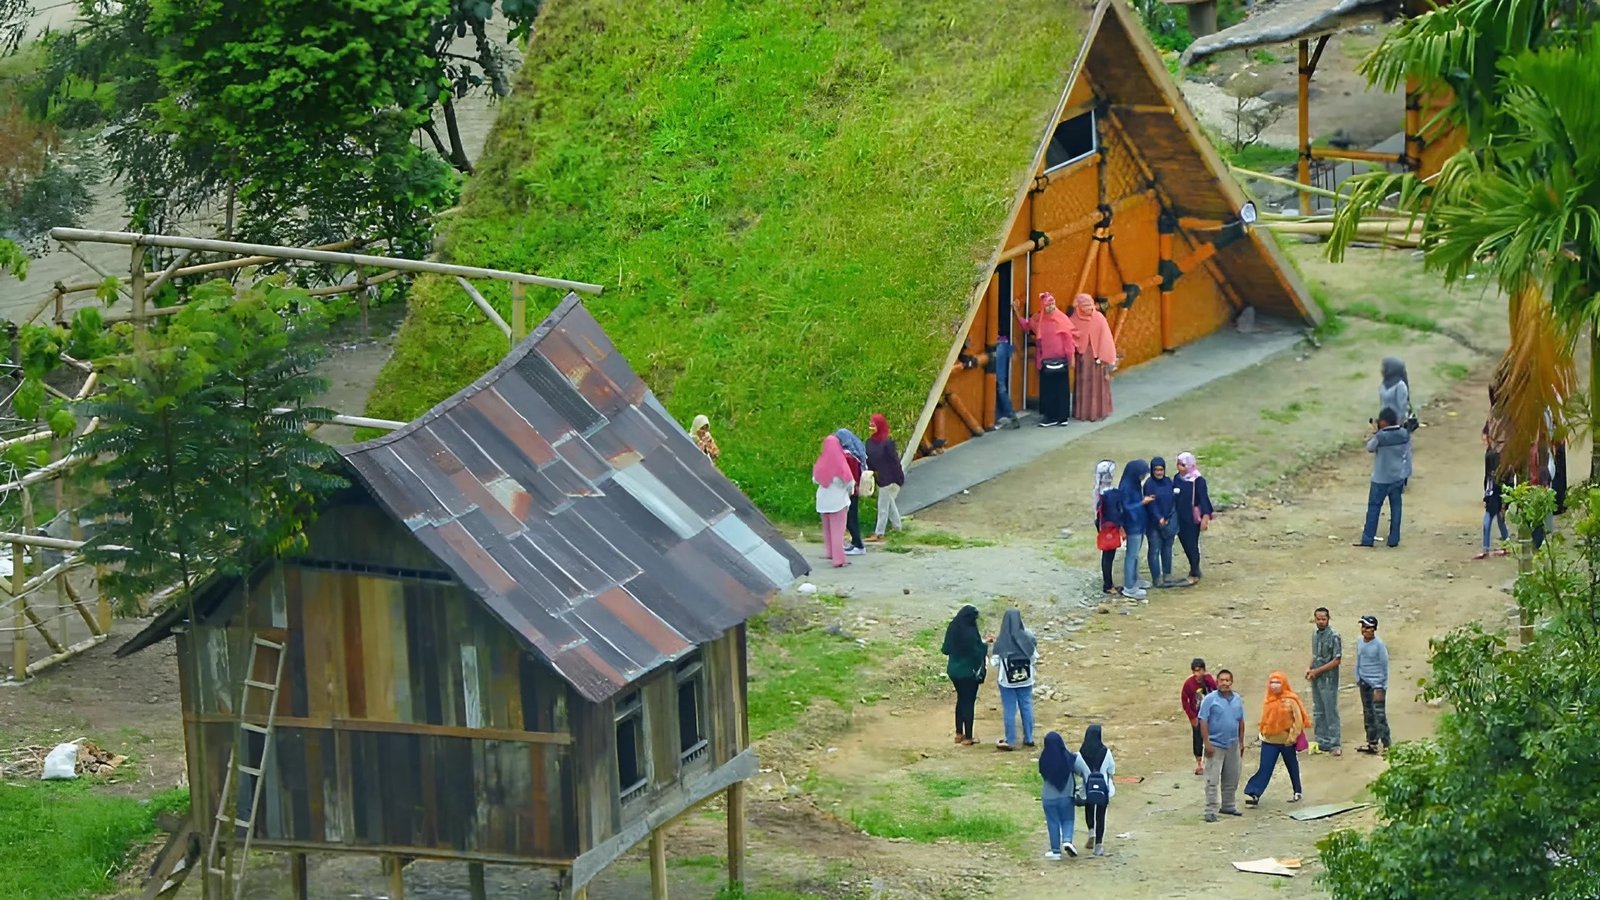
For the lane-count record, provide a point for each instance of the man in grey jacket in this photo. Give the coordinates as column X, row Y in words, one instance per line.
column 1390, row 445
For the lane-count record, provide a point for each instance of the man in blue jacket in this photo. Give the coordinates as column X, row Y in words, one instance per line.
column 1390, row 445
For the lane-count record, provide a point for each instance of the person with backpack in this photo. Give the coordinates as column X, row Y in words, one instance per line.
column 1494, row 503
column 1062, row 771
column 1108, row 532
column 1014, row 655
column 1098, row 787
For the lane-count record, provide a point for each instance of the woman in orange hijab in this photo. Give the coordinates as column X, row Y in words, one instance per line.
column 1284, row 723
column 1097, row 359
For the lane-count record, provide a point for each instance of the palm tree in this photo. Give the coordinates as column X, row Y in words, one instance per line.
column 1521, row 201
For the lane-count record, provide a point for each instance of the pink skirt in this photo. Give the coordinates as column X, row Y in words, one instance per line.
column 1092, row 394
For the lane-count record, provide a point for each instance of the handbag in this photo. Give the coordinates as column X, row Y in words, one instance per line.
column 1171, row 528
column 867, row 484
column 1110, row 536
column 1194, row 504
column 983, row 671
column 1301, row 745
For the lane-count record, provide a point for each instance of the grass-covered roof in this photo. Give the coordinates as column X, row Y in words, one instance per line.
column 789, row 204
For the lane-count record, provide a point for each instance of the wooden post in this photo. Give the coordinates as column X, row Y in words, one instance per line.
column 476, row 886
column 658, row 864
column 19, row 634
column 298, row 880
column 362, row 300
column 1202, row 18
column 1303, row 137
column 581, row 893
column 1524, row 566
column 136, row 286
column 397, row 877
column 519, row 311
column 735, row 811
column 1413, row 150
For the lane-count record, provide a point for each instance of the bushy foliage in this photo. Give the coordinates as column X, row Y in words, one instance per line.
column 201, row 462
column 1503, row 800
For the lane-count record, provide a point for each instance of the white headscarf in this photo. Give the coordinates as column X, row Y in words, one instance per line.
column 1104, row 480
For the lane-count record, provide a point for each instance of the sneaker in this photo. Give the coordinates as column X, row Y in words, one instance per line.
column 1143, row 584
column 1051, row 854
column 1295, row 798
column 855, row 551
column 1231, row 812
column 1088, row 842
column 875, row 539
column 1135, row 594
column 1211, row 817
column 1100, row 850
column 1014, row 423
column 1043, row 424
column 1252, row 800
column 1070, row 850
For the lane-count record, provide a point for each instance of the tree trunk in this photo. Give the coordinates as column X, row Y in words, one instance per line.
column 458, row 153
column 1594, row 401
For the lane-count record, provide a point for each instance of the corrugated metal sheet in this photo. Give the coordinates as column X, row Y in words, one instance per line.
column 558, row 490
column 1291, row 20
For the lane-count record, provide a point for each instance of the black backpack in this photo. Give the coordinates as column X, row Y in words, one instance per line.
column 1016, row 670
column 1096, row 789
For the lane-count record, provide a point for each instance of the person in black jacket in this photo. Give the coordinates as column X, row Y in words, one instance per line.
column 1194, row 511
column 883, row 458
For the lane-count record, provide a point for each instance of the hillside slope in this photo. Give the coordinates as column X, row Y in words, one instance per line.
column 788, row 203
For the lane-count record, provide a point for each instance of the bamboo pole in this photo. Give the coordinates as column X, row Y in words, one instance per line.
column 94, row 267
column 19, row 621
column 1352, row 154
column 1303, row 134
column 167, row 272
column 658, row 864
column 519, row 311
column 349, row 259
column 141, row 325
column 65, row 654
column 488, row 311
column 734, row 807
column 79, row 287
column 959, row 407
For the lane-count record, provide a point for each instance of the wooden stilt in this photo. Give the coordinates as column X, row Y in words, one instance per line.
column 298, row 878
column 519, row 311
column 581, row 893
column 397, row 877
column 476, row 885
column 735, row 811
column 658, row 865
column 1303, row 136
column 19, row 633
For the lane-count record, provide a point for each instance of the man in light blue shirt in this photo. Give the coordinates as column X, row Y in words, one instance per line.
column 1222, row 730
column 1372, row 677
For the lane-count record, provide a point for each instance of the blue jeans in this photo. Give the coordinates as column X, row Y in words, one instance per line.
column 1058, row 820
column 1270, row 754
column 1130, row 561
column 1012, row 701
column 1160, row 556
column 1002, row 382
column 1489, row 519
column 1376, row 494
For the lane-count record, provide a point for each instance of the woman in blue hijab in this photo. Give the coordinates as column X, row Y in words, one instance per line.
column 1134, row 521
column 1062, row 771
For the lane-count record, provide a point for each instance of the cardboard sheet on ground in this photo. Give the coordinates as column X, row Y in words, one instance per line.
column 1270, row 866
column 1325, row 810
column 1127, row 779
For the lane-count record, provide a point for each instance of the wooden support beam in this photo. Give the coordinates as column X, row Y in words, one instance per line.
column 166, row 273
column 298, row 876
column 1357, row 155
column 397, row 877
column 658, row 865
column 136, row 286
column 19, row 623
column 35, row 668
column 519, row 311
column 96, row 268
column 736, row 813
column 1303, row 124
column 477, row 887
column 959, row 407
column 348, row 259
column 488, row 310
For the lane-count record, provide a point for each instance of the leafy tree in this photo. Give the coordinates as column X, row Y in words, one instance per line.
column 195, row 470
column 1521, row 201
column 487, row 67
column 1502, row 801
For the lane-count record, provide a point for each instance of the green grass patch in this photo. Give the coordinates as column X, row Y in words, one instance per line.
column 744, row 893
column 949, row 787
column 914, row 538
column 926, row 823
column 703, row 861
column 1449, row 371
column 1220, row 452
column 765, row 189
column 65, row 839
column 1285, row 414
column 1406, row 319
column 1261, row 157
column 791, row 670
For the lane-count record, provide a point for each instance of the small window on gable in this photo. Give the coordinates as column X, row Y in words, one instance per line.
column 1073, row 140
column 633, row 766
column 691, row 684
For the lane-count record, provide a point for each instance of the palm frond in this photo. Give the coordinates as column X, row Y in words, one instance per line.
column 1534, row 380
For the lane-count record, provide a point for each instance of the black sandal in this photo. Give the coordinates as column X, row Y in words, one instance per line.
column 1367, row 748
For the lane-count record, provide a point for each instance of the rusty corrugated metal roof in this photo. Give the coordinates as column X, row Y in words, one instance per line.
column 559, row 490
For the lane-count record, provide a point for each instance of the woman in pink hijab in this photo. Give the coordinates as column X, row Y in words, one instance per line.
column 1097, row 359
column 1052, row 333
column 835, row 485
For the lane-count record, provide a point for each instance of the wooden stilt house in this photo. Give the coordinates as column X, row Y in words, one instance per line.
column 518, row 637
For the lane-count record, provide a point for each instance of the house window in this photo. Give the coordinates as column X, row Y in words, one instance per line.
column 691, row 684
column 633, row 766
column 1073, row 140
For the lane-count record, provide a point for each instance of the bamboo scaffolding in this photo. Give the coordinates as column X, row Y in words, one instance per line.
column 349, row 259
column 219, row 266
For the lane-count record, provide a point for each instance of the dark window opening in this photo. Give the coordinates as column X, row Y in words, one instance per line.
column 1002, row 277
column 633, row 772
column 692, row 744
column 1073, row 140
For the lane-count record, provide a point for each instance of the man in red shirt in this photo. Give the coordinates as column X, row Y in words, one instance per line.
column 1195, row 688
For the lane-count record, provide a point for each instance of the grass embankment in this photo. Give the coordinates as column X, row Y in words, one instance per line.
column 65, row 839
column 788, row 204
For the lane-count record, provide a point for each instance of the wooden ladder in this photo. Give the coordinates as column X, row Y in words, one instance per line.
column 227, row 823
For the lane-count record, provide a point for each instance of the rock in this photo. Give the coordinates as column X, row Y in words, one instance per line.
column 906, row 591
column 807, row 588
